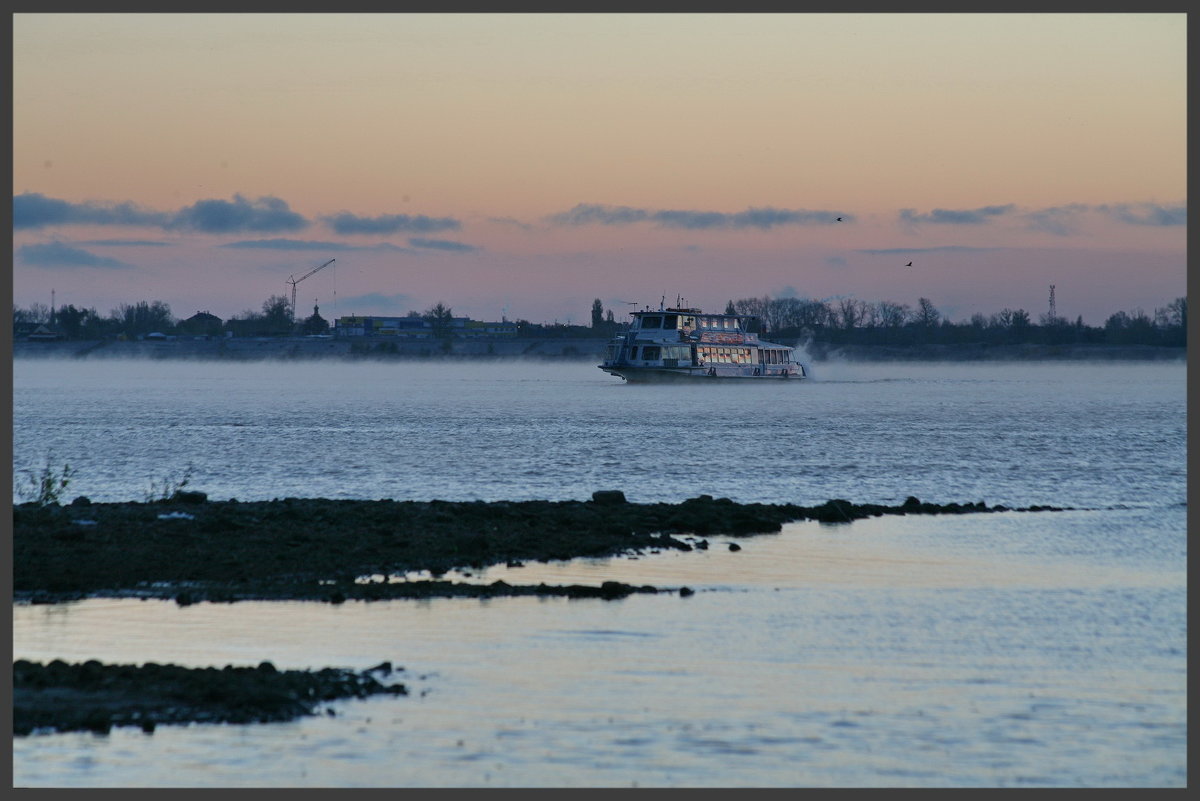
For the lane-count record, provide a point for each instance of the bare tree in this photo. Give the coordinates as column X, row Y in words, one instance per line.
column 850, row 313
column 143, row 317
column 927, row 315
column 892, row 315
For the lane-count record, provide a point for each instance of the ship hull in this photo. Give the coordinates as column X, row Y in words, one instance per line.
column 664, row 375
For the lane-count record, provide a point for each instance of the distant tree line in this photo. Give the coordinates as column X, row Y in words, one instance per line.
column 845, row 321
column 849, row 321
column 137, row 320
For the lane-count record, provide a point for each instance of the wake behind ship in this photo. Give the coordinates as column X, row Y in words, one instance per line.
column 682, row 344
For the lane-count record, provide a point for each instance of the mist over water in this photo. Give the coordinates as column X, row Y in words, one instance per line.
column 1013, row 649
column 1074, row 434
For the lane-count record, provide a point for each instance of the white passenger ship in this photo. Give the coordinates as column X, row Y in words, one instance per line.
column 686, row 344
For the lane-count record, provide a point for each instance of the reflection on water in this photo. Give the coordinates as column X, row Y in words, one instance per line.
column 975, row 650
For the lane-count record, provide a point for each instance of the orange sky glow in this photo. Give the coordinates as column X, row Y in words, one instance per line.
column 526, row 164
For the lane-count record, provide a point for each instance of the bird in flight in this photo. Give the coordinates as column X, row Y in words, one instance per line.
column 839, row 219
column 909, row 264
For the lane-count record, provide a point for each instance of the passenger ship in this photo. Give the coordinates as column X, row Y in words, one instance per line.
column 686, row 344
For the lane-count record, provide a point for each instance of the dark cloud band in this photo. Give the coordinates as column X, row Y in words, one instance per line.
column 57, row 255
column 35, row 210
column 956, row 217
column 347, row 223
column 761, row 218
column 264, row 215
column 306, row 244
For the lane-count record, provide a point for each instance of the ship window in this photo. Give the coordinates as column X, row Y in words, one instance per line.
column 650, row 353
column 669, row 321
column 633, row 352
column 651, row 322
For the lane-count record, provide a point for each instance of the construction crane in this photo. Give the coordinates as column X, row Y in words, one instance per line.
column 293, row 281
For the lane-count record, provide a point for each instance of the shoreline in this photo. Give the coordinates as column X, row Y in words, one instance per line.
column 190, row 549
column 91, row 696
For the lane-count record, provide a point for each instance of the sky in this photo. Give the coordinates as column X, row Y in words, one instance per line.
column 522, row 165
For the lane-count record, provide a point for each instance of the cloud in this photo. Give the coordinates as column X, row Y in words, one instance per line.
column 347, row 223
column 1057, row 220
column 835, row 261
column 267, row 214
column 1061, row 220
column 304, row 244
column 35, row 210
column 955, row 217
column 441, row 244
column 128, row 243
column 945, row 248
column 769, row 218
column 594, row 214
column 761, row 218
column 1147, row 213
column 57, row 255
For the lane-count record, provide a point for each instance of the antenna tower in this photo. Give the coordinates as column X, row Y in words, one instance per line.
column 1053, row 310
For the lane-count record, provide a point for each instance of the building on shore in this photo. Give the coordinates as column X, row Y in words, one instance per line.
column 202, row 323
column 44, row 333
column 420, row 328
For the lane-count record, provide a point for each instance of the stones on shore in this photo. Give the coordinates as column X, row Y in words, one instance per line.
column 191, row 549
column 96, row 697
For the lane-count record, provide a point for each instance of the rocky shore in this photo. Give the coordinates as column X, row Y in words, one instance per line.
column 193, row 550
column 96, row 697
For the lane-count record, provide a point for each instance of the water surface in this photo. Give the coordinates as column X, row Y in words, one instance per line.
column 1013, row 649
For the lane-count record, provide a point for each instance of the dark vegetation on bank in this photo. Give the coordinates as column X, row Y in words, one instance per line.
column 191, row 549
column 95, row 697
